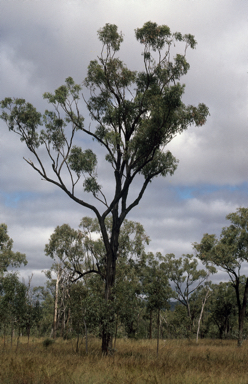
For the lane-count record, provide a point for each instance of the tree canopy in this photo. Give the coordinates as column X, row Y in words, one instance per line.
column 7, row 256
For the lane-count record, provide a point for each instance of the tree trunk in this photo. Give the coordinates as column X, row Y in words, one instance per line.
column 56, row 305
column 106, row 340
column 221, row 330
column 4, row 334
column 131, row 330
column 242, row 310
column 67, row 323
column 77, row 344
column 28, row 331
column 18, row 338
column 150, row 326
column 158, row 325
column 12, row 334
column 202, row 309
column 86, row 337
column 111, row 247
column 108, row 316
column 189, row 314
column 116, row 329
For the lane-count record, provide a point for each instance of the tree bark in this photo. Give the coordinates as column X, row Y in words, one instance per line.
column 150, row 326
column 158, row 325
column 116, row 329
column 56, row 305
column 202, row 309
column 108, row 315
column 242, row 310
column 86, row 337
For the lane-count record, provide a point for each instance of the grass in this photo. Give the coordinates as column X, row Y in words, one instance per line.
column 134, row 362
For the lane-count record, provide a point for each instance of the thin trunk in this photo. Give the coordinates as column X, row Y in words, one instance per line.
column 11, row 334
column 67, row 322
column 189, row 314
column 4, row 333
column 56, row 305
column 18, row 337
column 86, row 337
column 150, row 326
column 202, row 309
column 116, row 328
column 158, row 326
column 28, row 333
column 77, row 345
column 64, row 317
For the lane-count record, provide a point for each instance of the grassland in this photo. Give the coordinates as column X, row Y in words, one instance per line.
column 133, row 362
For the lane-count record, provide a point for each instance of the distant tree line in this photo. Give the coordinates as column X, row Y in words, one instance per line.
column 154, row 296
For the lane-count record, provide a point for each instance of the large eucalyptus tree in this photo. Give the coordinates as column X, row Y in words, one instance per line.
column 135, row 113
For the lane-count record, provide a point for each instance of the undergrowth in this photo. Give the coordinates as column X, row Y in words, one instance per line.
column 132, row 362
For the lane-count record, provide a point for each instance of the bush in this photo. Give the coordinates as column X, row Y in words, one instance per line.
column 47, row 342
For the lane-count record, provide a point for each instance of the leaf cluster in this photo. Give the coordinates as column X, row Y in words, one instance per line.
column 7, row 256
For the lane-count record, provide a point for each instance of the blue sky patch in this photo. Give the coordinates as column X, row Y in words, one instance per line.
column 185, row 193
column 12, row 199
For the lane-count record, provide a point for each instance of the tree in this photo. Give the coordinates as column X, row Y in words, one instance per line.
column 223, row 307
column 229, row 252
column 156, row 288
column 12, row 302
column 186, row 278
column 7, row 256
column 78, row 253
column 137, row 113
column 207, row 293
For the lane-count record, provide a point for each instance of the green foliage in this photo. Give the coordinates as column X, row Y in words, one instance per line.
column 178, row 323
column 7, row 256
column 231, row 249
column 183, row 272
column 65, row 244
column 223, row 308
column 109, row 36
column 137, row 113
column 229, row 252
column 153, row 35
column 155, row 283
column 82, row 161
column 12, row 300
column 47, row 342
column 23, row 119
column 44, row 296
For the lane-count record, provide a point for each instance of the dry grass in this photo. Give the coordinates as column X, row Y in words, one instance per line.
column 134, row 362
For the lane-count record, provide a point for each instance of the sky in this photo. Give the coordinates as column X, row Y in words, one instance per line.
column 42, row 42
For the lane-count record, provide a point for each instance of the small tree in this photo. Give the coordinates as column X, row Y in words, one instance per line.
column 186, row 278
column 156, row 287
column 229, row 252
column 12, row 302
column 223, row 308
column 137, row 113
column 79, row 253
column 11, row 289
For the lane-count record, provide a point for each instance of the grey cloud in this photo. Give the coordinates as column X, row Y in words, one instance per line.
column 43, row 42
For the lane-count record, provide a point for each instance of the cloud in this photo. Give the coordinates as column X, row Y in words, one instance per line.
column 43, row 42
